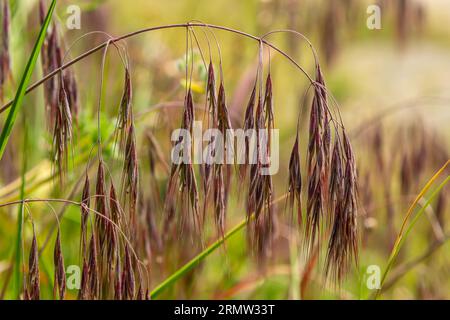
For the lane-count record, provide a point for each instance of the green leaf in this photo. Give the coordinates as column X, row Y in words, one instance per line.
column 17, row 103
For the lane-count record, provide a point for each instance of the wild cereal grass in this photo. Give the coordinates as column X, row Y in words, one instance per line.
column 139, row 214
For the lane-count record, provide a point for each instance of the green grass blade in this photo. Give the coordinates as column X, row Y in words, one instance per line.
column 17, row 103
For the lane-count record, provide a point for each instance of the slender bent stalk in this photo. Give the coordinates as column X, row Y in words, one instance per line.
column 169, row 281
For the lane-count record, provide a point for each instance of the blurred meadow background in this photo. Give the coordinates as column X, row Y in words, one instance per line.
column 393, row 90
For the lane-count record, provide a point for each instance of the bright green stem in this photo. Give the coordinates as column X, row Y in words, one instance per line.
column 20, row 94
column 195, row 261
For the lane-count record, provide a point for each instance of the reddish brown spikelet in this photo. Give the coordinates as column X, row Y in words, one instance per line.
column 125, row 110
column 128, row 280
column 211, row 91
column 83, row 294
column 219, row 199
column 114, row 206
column 101, row 206
column 70, row 85
column 221, row 172
column 295, row 181
column 187, row 175
column 85, row 204
column 268, row 100
column 249, row 123
column 254, row 177
column 131, row 173
column 336, row 175
column 207, row 168
column 326, row 132
column 93, row 271
column 62, row 133
column 112, row 244
column 224, row 121
column 33, row 271
column 60, row 273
